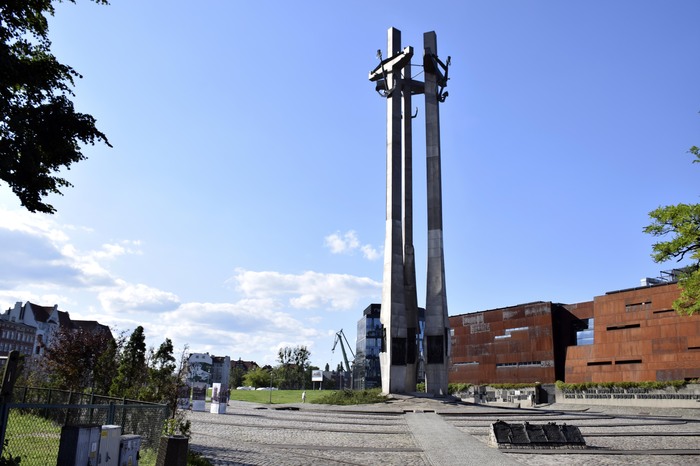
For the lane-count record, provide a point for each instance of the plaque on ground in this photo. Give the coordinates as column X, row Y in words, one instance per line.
column 526, row 435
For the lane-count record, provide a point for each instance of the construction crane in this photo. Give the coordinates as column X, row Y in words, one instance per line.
column 339, row 337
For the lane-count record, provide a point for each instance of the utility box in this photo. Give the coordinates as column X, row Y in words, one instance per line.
column 110, row 439
column 79, row 445
column 129, row 448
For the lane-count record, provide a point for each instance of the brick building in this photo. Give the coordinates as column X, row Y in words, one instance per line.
column 626, row 335
column 16, row 336
column 29, row 328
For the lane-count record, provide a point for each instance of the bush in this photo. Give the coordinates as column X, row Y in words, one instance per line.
column 649, row 385
column 458, row 388
column 513, row 386
column 352, row 397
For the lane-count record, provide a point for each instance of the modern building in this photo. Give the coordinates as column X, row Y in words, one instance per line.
column 366, row 370
column 509, row 345
column 370, row 334
column 636, row 336
column 626, row 335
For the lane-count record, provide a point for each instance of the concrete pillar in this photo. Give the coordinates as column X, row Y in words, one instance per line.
column 393, row 314
column 437, row 326
column 409, row 261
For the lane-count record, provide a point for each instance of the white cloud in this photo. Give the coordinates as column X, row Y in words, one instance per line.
column 308, row 290
column 128, row 297
column 348, row 243
column 369, row 252
column 39, row 250
column 42, row 261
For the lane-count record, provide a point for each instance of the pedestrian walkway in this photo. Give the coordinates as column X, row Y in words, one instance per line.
column 443, row 444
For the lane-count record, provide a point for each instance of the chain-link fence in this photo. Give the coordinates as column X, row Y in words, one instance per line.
column 32, row 423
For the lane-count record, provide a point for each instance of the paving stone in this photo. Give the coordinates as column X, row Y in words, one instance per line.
column 423, row 431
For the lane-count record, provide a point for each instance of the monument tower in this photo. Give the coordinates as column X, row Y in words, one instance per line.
column 399, row 314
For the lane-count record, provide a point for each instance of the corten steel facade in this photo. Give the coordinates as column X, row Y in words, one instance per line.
column 628, row 335
column 637, row 336
column 509, row 345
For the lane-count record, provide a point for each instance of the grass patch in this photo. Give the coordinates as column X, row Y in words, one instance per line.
column 278, row 396
column 32, row 438
column 352, row 397
column 148, row 457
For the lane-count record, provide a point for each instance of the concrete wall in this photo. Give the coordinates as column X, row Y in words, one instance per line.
column 688, row 397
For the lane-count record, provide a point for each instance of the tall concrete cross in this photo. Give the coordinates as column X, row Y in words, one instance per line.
column 399, row 315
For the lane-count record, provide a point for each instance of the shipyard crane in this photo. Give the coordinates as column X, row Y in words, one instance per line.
column 339, row 337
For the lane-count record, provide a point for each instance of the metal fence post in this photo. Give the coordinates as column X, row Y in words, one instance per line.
column 8, row 384
column 110, row 413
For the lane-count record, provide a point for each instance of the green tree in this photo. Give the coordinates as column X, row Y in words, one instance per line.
column 682, row 223
column 161, row 374
column 293, row 368
column 235, row 378
column 257, row 378
column 80, row 358
column 40, row 131
column 132, row 372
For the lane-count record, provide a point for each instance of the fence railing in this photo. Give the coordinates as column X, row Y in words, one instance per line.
column 31, row 424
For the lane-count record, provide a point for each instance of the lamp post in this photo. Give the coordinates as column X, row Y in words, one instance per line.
column 270, row 386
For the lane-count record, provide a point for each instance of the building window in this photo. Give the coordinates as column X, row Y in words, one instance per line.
column 623, row 327
column 509, row 331
column 585, row 335
column 635, row 307
column 520, row 364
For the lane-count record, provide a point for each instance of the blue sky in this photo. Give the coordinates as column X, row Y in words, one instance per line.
column 242, row 206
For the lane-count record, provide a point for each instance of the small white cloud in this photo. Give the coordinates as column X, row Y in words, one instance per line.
column 348, row 243
column 128, row 297
column 369, row 252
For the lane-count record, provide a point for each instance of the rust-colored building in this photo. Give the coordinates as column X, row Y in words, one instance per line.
column 627, row 335
column 509, row 345
column 637, row 336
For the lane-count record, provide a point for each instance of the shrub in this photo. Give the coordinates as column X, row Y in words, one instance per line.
column 458, row 388
column 352, row 397
column 648, row 385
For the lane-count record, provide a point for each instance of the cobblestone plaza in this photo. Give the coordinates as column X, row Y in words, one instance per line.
column 422, row 431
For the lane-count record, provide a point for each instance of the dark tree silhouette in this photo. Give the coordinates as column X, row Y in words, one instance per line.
column 40, row 131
